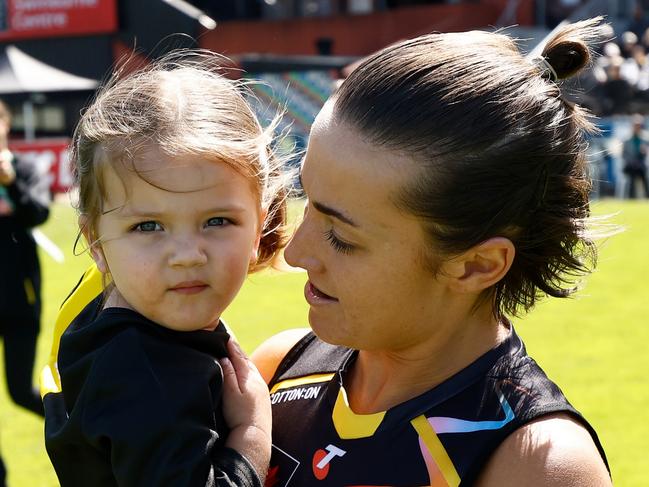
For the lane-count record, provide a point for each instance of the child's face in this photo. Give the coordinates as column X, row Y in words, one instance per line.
column 177, row 255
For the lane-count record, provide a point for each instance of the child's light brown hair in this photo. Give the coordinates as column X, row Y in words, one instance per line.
column 183, row 105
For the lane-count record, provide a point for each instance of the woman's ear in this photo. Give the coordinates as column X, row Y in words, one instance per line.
column 96, row 251
column 481, row 266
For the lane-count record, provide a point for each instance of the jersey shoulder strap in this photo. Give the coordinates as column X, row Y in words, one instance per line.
column 310, row 356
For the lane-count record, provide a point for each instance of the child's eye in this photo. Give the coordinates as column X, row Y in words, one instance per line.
column 147, row 227
column 217, row 221
column 338, row 245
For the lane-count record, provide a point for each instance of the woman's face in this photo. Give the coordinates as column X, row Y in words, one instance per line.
column 368, row 284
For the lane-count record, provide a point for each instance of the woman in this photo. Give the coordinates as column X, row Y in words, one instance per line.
column 447, row 190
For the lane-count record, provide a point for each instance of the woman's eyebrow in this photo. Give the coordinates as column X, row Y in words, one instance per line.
column 327, row 210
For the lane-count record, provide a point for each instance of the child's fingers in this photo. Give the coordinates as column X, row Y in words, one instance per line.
column 230, row 381
column 239, row 362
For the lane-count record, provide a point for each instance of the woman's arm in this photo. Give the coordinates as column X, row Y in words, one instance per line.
column 553, row 450
column 269, row 354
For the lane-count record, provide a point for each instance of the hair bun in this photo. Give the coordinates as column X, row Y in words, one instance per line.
column 567, row 58
column 568, row 51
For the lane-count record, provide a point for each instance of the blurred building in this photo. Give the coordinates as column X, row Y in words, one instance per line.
column 53, row 54
column 297, row 47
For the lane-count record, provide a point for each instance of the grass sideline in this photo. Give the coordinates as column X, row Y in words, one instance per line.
column 593, row 346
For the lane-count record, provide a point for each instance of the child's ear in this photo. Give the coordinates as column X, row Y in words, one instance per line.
column 481, row 266
column 254, row 254
column 93, row 245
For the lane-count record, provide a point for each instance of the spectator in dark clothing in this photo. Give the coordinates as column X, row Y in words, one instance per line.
column 635, row 154
column 617, row 92
column 640, row 21
column 628, row 40
column 24, row 203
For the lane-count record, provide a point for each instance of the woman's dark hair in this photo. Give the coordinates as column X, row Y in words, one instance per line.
column 499, row 151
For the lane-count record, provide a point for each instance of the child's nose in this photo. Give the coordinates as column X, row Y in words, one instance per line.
column 187, row 252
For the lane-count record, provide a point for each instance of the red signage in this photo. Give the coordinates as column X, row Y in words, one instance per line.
column 52, row 157
column 30, row 19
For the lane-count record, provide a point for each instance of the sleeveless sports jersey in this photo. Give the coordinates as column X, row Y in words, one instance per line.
column 440, row 438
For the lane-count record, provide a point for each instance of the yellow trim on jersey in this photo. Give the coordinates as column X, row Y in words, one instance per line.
column 300, row 381
column 29, row 291
column 89, row 288
column 350, row 425
column 436, row 450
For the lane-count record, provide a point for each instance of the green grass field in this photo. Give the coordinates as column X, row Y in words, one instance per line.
column 594, row 346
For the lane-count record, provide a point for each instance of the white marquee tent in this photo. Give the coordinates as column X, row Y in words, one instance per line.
column 21, row 73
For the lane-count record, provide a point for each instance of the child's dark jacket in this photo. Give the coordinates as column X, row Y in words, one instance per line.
column 140, row 406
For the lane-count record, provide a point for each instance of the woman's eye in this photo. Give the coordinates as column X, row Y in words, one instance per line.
column 148, row 227
column 217, row 221
column 338, row 245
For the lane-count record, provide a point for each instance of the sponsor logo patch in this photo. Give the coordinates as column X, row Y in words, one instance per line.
column 322, row 459
column 295, row 394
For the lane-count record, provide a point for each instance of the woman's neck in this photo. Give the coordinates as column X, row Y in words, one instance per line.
column 380, row 380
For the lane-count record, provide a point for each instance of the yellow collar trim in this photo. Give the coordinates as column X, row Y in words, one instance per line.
column 350, row 425
column 300, row 381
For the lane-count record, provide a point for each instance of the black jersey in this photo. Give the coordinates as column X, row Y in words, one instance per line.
column 440, row 438
column 139, row 405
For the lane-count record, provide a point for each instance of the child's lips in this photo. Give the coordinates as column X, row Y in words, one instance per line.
column 189, row 287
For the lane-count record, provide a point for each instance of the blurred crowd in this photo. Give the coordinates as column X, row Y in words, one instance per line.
column 619, row 80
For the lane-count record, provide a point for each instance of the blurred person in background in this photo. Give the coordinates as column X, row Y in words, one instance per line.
column 24, row 203
column 639, row 56
column 640, row 21
column 645, row 39
column 627, row 41
column 617, row 92
column 635, row 155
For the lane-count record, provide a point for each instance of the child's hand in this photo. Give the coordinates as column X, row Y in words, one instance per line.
column 246, row 408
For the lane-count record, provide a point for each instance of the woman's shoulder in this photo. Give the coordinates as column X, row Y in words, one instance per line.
column 551, row 450
column 271, row 352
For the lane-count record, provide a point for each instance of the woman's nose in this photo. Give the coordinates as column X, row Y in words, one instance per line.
column 301, row 251
column 187, row 252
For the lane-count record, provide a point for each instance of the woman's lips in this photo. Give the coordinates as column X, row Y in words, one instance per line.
column 314, row 296
column 189, row 287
